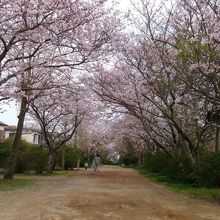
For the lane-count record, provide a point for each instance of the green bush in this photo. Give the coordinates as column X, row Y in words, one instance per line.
column 178, row 170
column 71, row 157
column 128, row 159
column 206, row 173
column 207, row 170
column 21, row 165
column 156, row 162
column 6, row 148
column 105, row 161
column 30, row 157
column 36, row 159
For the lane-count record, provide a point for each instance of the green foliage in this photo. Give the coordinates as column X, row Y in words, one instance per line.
column 31, row 157
column 185, row 189
column 106, row 161
column 5, row 149
column 195, row 50
column 155, row 163
column 207, row 170
column 205, row 173
column 178, row 170
column 214, row 116
column 36, row 159
column 128, row 159
column 84, row 159
column 71, row 157
column 22, row 157
column 15, row 183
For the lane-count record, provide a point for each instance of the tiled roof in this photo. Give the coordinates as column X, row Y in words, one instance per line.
column 3, row 124
column 10, row 128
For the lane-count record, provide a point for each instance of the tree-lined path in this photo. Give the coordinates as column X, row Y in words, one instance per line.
column 114, row 193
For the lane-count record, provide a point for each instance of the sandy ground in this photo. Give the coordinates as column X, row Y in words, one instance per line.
column 114, row 193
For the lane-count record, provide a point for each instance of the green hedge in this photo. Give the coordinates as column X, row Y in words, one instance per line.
column 31, row 157
column 206, row 173
column 207, row 170
column 36, row 159
column 128, row 159
column 178, row 170
column 71, row 157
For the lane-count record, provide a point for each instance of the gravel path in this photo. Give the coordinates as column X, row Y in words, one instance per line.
column 114, row 193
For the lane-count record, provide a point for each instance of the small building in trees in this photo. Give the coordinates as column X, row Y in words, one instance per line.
column 33, row 137
column 10, row 131
column 2, row 132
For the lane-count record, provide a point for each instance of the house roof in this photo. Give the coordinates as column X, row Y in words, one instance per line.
column 10, row 128
column 3, row 124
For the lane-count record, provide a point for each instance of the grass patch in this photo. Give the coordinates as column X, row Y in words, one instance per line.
column 26, row 179
column 207, row 194
column 6, row 185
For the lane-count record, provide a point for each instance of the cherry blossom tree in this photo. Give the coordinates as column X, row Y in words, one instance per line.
column 28, row 87
column 189, row 35
column 58, row 115
column 49, row 36
column 147, row 84
column 198, row 52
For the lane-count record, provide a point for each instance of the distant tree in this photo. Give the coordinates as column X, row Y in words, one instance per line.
column 148, row 81
column 49, row 37
column 58, row 114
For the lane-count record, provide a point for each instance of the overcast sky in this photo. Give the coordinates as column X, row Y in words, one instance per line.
column 10, row 112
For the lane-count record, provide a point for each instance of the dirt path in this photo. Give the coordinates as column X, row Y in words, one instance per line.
column 114, row 193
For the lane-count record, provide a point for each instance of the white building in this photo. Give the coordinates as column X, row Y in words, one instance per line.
column 30, row 136
column 2, row 133
column 10, row 131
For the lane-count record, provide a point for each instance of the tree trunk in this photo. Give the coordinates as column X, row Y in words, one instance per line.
column 51, row 162
column 157, row 149
column 190, row 155
column 78, row 164
column 217, row 139
column 10, row 170
column 63, row 151
column 139, row 160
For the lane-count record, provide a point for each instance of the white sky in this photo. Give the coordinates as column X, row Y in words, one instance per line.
column 125, row 4
column 10, row 112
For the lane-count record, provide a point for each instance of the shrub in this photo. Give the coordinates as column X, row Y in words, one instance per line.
column 30, row 157
column 6, row 148
column 207, row 170
column 128, row 159
column 106, row 161
column 155, row 162
column 178, row 170
column 71, row 157
column 36, row 159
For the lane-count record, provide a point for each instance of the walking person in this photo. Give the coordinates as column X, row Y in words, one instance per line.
column 97, row 162
column 93, row 164
column 86, row 165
